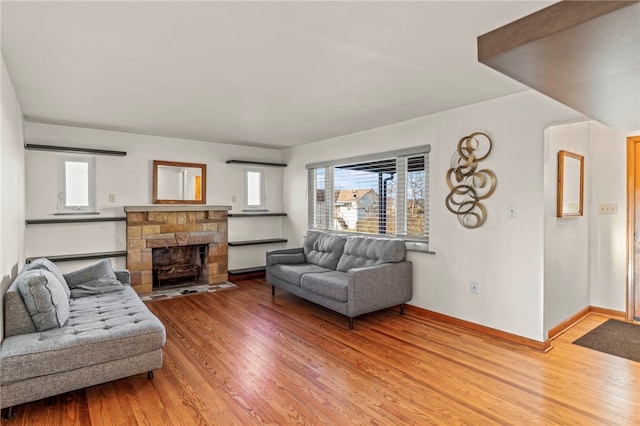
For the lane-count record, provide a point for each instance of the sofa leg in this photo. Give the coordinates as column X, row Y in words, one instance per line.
column 402, row 309
column 9, row 412
column 273, row 290
column 350, row 323
column 149, row 375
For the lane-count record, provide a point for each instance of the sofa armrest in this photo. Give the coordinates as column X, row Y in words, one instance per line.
column 378, row 287
column 123, row 276
column 293, row 255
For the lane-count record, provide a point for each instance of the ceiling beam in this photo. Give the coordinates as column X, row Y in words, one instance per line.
column 584, row 54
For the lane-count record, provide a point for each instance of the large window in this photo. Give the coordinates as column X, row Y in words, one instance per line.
column 381, row 194
column 76, row 184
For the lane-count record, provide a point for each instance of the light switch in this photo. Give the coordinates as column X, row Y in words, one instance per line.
column 607, row 209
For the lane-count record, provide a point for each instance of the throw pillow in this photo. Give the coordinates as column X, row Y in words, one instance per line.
column 46, row 264
column 45, row 299
column 94, row 279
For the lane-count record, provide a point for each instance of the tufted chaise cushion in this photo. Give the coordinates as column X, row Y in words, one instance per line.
column 360, row 252
column 101, row 328
column 323, row 249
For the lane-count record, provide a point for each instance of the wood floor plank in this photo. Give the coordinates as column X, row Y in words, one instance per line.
column 244, row 357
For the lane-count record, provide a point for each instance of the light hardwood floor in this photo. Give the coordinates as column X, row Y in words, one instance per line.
column 241, row 357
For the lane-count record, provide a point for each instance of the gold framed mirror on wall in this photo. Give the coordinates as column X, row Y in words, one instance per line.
column 179, row 183
column 570, row 184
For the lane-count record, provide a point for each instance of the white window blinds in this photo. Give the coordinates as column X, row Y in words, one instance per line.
column 381, row 194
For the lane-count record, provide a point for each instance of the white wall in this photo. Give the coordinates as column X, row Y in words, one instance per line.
column 12, row 204
column 506, row 255
column 129, row 178
column 585, row 257
column 511, row 259
column 608, row 233
column 566, row 255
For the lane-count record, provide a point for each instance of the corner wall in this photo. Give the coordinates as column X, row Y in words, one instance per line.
column 608, row 233
column 586, row 257
column 12, row 177
column 506, row 255
column 566, row 241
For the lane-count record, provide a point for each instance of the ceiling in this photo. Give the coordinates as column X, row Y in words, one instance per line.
column 584, row 54
column 274, row 74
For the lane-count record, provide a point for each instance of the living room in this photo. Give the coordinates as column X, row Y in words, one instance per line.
column 534, row 270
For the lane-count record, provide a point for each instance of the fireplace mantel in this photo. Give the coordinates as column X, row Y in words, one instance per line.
column 174, row 208
column 154, row 226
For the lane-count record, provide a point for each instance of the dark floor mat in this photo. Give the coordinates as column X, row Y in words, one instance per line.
column 614, row 337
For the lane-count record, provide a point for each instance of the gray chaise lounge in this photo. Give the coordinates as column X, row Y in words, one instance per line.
column 61, row 337
column 352, row 275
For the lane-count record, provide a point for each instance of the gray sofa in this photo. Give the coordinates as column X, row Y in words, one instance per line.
column 350, row 274
column 71, row 331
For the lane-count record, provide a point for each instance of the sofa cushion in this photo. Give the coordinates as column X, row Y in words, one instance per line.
column 45, row 298
column 93, row 279
column 44, row 263
column 293, row 273
column 332, row 284
column 323, row 249
column 360, row 252
column 100, row 329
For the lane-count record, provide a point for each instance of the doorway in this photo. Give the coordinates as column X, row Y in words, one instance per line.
column 633, row 228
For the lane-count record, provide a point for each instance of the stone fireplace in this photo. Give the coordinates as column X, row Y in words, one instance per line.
column 189, row 243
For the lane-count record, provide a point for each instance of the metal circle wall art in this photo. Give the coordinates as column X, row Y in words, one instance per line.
column 468, row 185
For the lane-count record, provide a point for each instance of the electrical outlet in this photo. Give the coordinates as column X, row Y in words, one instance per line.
column 112, row 198
column 474, row 288
column 233, row 198
column 608, row 209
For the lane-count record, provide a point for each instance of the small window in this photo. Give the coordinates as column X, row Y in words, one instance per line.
column 76, row 184
column 254, row 185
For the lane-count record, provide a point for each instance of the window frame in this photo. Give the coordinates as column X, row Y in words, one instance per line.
column 261, row 173
column 326, row 222
column 62, row 207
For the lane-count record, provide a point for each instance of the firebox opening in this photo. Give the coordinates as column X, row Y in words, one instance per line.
column 173, row 266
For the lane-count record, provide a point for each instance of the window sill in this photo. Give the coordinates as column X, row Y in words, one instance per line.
column 418, row 247
column 74, row 213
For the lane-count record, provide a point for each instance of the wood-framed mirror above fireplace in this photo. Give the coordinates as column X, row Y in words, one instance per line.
column 179, row 183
